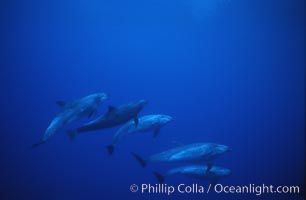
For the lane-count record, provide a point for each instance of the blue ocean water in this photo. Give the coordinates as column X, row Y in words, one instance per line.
column 228, row 71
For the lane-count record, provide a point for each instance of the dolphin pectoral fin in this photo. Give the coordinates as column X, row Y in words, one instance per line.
column 156, row 132
column 111, row 108
column 136, row 120
column 94, row 112
column 110, row 149
column 61, row 103
column 139, row 159
column 160, row 178
column 38, row 143
column 71, row 134
column 209, row 166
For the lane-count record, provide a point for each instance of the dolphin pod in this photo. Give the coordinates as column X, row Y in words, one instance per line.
column 127, row 116
column 115, row 116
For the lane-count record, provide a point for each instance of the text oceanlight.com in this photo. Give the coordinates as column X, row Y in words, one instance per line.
column 216, row 188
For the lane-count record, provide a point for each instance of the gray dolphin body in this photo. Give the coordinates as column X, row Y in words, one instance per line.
column 197, row 171
column 114, row 117
column 197, row 152
column 72, row 111
column 145, row 124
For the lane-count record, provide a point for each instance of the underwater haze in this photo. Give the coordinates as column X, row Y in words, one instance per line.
column 230, row 72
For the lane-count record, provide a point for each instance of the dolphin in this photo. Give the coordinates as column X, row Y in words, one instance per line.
column 197, row 171
column 145, row 124
column 113, row 117
column 72, row 111
column 197, row 152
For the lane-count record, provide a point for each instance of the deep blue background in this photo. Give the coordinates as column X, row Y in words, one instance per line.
column 230, row 72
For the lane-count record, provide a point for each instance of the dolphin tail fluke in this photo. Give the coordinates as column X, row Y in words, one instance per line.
column 139, row 159
column 110, row 149
column 40, row 142
column 156, row 132
column 160, row 178
column 71, row 134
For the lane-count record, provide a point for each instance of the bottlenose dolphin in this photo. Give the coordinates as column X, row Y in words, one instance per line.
column 145, row 124
column 197, row 152
column 72, row 111
column 197, row 171
column 114, row 117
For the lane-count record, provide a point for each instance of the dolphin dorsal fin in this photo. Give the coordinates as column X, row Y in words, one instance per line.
column 111, row 108
column 61, row 103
